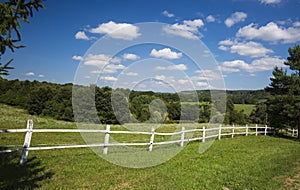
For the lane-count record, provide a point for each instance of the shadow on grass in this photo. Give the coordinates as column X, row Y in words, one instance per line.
column 284, row 136
column 16, row 176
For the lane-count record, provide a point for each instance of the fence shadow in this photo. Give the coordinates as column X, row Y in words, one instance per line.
column 284, row 136
column 16, row 176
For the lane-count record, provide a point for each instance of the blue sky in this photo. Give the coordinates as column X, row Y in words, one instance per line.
column 246, row 38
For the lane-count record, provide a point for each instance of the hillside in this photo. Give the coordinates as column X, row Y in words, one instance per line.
column 251, row 162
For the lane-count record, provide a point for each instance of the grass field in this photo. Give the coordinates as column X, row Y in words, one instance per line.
column 248, row 108
column 251, row 162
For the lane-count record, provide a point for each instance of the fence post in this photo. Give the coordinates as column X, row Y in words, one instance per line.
column 26, row 141
column 151, row 139
column 203, row 134
column 246, row 129
column 232, row 134
column 220, row 132
column 106, row 139
column 182, row 137
column 256, row 130
column 293, row 132
column 266, row 128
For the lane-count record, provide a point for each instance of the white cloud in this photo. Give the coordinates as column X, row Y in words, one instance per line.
column 100, row 60
column 41, row 76
column 77, row 57
column 131, row 74
column 81, row 36
column 115, row 60
column 210, row 18
column 203, row 85
column 166, row 53
column 167, row 14
column 296, row 24
column 224, row 48
column 183, row 81
column 235, row 18
column 112, row 68
column 270, row 32
column 228, row 69
column 130, row 56
column 30, row 74
column 257, row 65
column 252, row 49
column 109, row 69
column 270, row 1
column 123, row 31
column 179, row 67
column 189, row 29
column 160, row 77
column 226, row 42
column 109, row 78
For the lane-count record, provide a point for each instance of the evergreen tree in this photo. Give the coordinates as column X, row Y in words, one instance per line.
column 283, row 105
column 11, row 13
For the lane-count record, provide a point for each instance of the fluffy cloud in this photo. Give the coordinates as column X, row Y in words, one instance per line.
column 100, row 60
column 261, row 64
column 296, row 24
column 179, row 67
column 81, row 36
column 167, row 14
column 270, row 1
column 166, row 53
column 30, row 74
column 210, row 18
column 130, row 56
column 270, row 32
column 123, row 31
column 189, row 29
column 41, row 76
column 160, row 77
column 112, row 68
column 77, row 58
column 252, row 49
column 226, row 42
column 235, row 18
column 109, row 78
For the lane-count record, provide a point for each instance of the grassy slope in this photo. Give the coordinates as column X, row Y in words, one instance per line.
column 248, row 108
column 241, row 163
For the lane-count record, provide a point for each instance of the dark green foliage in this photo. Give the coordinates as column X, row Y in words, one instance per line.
column 233, row 116
column 259, row 115
column 283, row 106
column 11, row 13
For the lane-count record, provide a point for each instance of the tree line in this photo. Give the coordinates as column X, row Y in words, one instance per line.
column 55, row 100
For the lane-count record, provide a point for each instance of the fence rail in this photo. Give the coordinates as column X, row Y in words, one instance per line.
column 207, row 133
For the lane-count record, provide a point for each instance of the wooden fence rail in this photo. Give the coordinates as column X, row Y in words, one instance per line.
column 207, row 133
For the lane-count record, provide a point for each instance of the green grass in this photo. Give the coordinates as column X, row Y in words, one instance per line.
column 248, row 108
column 251, row 162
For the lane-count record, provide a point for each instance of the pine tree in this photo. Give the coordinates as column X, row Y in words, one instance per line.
column 284, row 104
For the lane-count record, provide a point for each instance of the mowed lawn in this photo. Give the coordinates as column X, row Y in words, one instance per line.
column 251, row 162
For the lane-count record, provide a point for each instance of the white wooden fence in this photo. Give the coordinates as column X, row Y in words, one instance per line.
column 207, row 133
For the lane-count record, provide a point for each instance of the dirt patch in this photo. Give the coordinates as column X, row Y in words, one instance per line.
column 293, row 182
